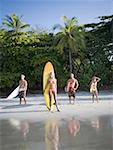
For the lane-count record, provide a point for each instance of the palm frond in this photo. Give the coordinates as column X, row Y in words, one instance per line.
column 13, row 21
column 25, row 26
column 57, row 26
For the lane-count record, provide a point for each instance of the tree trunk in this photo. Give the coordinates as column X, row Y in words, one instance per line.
column 70, row 61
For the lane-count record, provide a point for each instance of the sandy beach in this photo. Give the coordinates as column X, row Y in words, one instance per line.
column 35, row 108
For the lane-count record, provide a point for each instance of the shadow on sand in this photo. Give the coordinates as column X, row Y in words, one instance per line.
column 17, row 106
column 10, row 112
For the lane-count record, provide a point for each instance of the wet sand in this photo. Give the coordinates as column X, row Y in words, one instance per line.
column 53, row 134
column 82, row 126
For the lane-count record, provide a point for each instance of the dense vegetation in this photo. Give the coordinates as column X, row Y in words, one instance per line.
column 84, row 50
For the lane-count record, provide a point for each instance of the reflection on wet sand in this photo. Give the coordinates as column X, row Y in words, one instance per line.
column 95, row 123
column 52, row 134
column 22, row 126
column 73, row 126
column 55, row 134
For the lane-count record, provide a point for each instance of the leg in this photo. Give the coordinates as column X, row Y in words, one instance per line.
column 55, row 98
column 50, row 98
column 20, row 100
column 69, row 98
column 20, row 96
column 93, row 97
column 69, row 94
column 96, row 94
column 24, row 96
column 73, row 99
column 24, row 100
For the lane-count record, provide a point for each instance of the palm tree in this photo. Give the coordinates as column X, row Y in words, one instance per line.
column 14, row 23
column 69, row 37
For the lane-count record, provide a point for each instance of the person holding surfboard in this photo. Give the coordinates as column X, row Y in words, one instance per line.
column 22, row 88
column 52, row 85
column 93, row 87
column 72, row 82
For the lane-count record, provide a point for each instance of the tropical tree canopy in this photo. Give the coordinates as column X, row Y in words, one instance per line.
column 70, row 38
column 14, row 23
column 27, row 52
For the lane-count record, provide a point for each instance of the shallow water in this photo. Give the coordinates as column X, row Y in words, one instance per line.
column 54, row 134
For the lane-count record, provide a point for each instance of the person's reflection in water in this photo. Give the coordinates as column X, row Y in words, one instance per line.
column 52, row 135
column 73, row 126
column 95, row 123
column 22, row 126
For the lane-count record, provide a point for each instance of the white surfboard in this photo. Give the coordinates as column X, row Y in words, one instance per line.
column 14, row 93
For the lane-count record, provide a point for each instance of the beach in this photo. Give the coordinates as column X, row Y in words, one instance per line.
column 84, row 125
column 35, row 107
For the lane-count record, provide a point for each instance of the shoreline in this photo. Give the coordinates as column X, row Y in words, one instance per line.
column 35, row 109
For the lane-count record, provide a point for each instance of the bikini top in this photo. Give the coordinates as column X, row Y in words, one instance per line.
column 51, row 81
column 93, row 85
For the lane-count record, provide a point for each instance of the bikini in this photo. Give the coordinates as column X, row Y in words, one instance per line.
column 93, row 87
column 53, row 89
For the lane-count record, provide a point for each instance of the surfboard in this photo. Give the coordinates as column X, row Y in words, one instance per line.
column 14, row 93
column 47, row 70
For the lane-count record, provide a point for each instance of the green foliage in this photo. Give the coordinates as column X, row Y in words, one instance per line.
column 70, row 38
column 14, row 23
column 27, row 52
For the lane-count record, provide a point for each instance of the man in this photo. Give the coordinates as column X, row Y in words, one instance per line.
column 22, row 88
column 72, row 82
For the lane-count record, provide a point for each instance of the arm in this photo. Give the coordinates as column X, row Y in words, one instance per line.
column 68, row 85
column 76, row 82
column 98, row 79
column 56, row 83
column 26, row 85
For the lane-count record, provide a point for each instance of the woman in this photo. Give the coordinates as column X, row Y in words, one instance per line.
column 93, row 88
column 52, row 83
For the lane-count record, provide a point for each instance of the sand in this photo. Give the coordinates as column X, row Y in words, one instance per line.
column 35, row 108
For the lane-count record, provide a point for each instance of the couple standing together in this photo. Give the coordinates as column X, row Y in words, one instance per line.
column 72, row 86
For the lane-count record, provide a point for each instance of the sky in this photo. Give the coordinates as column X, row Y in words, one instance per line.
column 47, row 13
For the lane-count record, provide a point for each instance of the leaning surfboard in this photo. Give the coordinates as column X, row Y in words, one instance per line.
column 14, row 93
column 47, row 70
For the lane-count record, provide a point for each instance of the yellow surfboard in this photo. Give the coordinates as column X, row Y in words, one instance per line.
column 47, row 70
